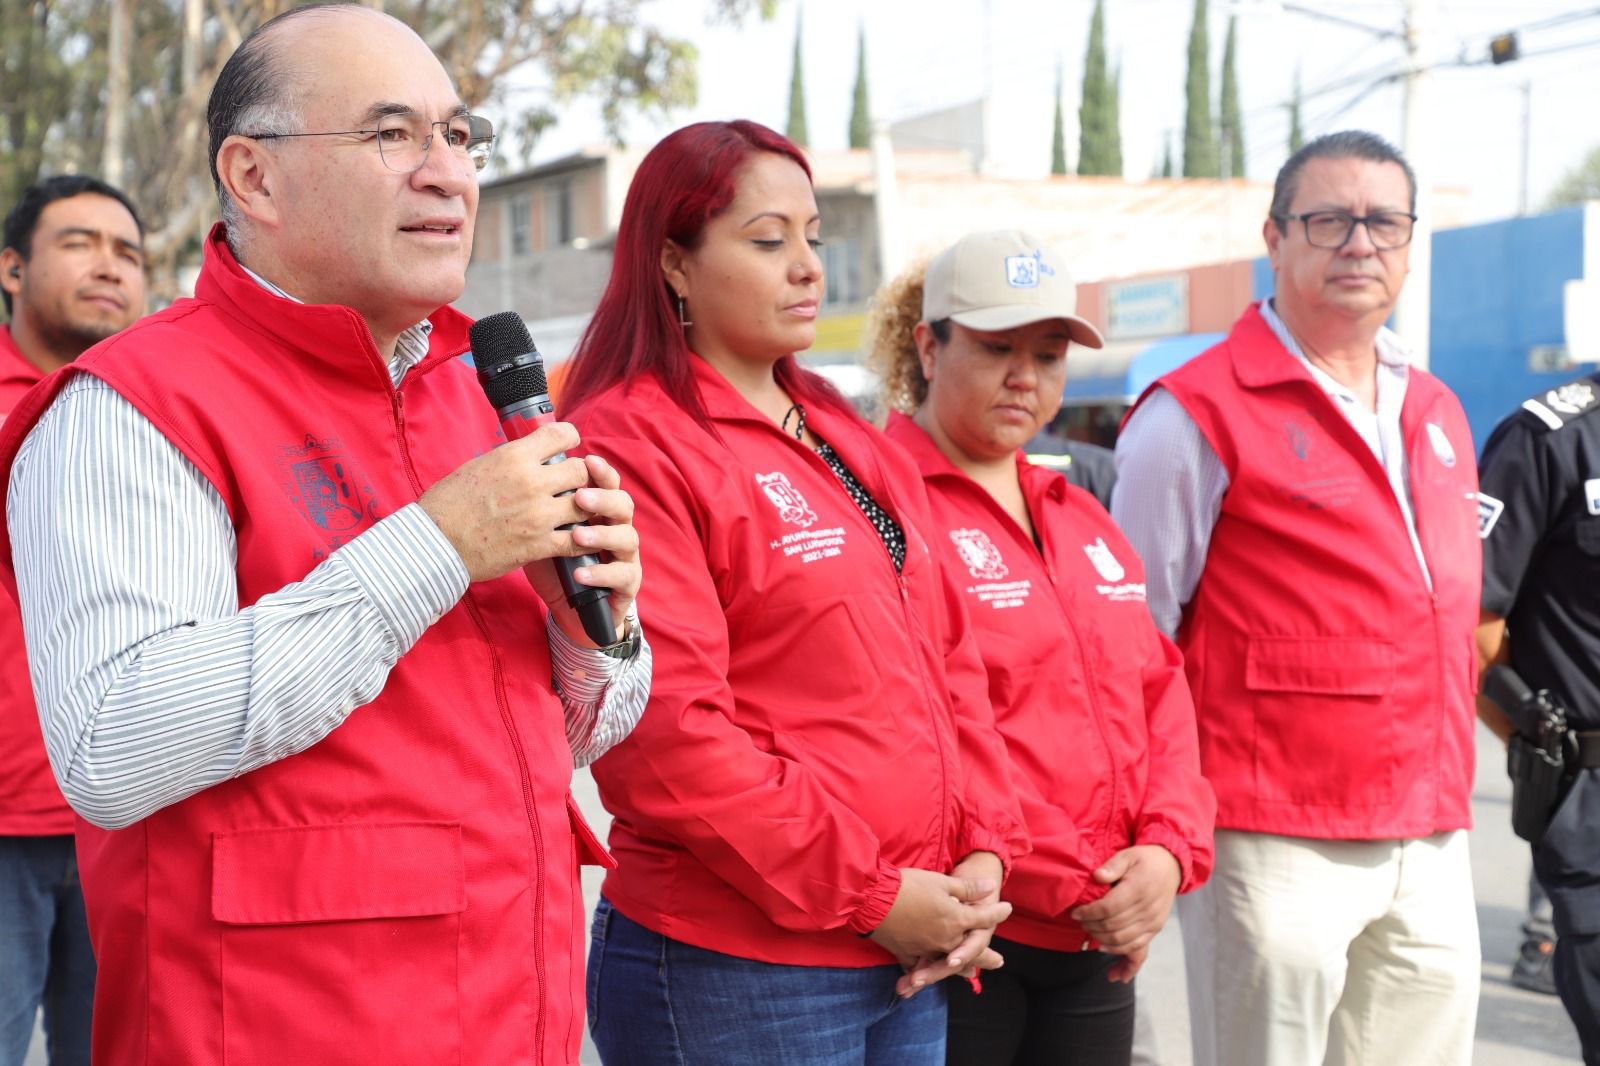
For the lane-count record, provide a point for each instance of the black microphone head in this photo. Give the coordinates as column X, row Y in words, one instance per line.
column 498, row 338
column 510, row 368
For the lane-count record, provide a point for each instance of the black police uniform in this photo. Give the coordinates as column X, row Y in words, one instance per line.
column 1539, row 516
column 1088, row 466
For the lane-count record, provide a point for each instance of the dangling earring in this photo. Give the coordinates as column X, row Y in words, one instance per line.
column 683, row 319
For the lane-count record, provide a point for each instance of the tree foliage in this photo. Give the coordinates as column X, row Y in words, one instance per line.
column 1099, row 140
column 1232, row 118
column 1114, row 145
column 53, row 95
column 796, row 130
column 1297, row 136
column 1058, row 138
column 860, row 108
column 1580, row 183
column 1199, row 142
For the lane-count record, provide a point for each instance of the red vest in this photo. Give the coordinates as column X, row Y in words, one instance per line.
column 405, row 890
column 30, row 803
column 1334, row 690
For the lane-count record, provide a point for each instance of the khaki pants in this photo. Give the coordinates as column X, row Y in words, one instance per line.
column 1305, row 952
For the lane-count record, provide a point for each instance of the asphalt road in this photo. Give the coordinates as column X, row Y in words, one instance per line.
column 1515, row 1028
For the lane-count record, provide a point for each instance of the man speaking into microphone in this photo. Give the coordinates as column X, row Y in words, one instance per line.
column 317, row 725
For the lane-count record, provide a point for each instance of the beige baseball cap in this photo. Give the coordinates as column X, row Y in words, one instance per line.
column 1001, row 280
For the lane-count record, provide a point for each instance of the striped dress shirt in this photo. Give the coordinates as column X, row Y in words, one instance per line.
column 152, row 684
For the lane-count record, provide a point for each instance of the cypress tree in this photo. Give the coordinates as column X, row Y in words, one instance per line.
column 1095, row 106
column 1296, row 136
column 796, row 130
column 1199, row 143
column 1232, row 119
column 1058, row 141
column 1114, row 140
column 860, row 111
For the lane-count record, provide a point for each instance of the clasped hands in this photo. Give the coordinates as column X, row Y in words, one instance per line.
column 940, row 924
column 1144, row 880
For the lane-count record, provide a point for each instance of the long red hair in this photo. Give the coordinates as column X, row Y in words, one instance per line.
column 683, row 183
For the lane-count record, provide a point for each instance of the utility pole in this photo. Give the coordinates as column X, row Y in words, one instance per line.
column 1527, row 127
column 985, row 162
column 1415, row 308
column 886, row 201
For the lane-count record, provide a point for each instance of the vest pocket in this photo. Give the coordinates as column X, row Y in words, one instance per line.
column 1324, row 728
column 340, row 940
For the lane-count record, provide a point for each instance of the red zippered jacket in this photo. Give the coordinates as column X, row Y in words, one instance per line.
column 1334, row 690
column 406, row 889
column 30, row 803
column 816, row 722
column 1089, row 696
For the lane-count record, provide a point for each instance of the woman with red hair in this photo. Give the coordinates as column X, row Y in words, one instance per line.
column 814, row 813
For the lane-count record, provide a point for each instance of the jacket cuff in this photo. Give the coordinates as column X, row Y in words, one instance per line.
column 878, row 898
column 974, row 837
column 1163, row 835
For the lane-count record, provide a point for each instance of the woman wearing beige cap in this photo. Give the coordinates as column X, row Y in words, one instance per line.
column 1090, row 698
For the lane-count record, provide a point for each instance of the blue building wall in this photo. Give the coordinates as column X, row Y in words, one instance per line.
column 1496, row 293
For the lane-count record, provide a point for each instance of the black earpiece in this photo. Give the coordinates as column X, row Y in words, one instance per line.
column 16, row 272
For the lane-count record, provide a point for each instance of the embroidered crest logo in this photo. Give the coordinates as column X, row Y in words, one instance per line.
column 1106, row 563
column 792, row 506
column 979, row 553
column 1570, row 398
column 330, row 493
column 328, row 489
column 1441, row 444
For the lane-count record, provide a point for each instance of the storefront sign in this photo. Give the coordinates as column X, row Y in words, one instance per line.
column 1148, row 307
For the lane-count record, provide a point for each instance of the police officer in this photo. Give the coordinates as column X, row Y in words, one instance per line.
column 1088, row 466
column 1539, row 516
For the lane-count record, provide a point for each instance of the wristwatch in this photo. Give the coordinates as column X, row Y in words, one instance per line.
column 628, row 642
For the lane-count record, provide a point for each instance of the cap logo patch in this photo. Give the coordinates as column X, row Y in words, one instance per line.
column 1023, row 271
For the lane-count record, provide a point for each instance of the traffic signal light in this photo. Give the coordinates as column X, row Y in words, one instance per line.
column 1503, row 49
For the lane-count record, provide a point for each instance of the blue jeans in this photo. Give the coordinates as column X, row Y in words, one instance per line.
column 45, row 957
column 653, row 1000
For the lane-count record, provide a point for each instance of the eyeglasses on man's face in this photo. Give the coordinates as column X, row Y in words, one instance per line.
column 1332, row 229
column 404, row 139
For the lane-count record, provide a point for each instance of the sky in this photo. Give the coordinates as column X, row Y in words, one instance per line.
column 926, row 54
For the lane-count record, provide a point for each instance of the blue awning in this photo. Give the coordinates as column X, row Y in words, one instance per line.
column 1119, row 372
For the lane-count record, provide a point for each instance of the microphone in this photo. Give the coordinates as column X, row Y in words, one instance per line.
column 511, row 371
